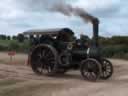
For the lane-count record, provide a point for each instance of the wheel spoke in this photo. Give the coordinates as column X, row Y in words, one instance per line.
column 93, row 75
column 107, row 69
column 48, row 53
column 42, row 67
column 43, row 53
column 43, row 60
column 91, row 69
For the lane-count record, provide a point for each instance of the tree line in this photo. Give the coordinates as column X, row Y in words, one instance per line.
column 115, row 47
column 115, row 40
column 112, row 47
column 18, row 37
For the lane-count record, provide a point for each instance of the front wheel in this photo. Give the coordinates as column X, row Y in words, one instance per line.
column 107, row 69
column 90, row 69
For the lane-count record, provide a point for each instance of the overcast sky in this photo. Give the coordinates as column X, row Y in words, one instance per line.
column 17, row 16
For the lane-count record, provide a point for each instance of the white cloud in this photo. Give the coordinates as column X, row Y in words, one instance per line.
column 95, row 4
column 19, row 15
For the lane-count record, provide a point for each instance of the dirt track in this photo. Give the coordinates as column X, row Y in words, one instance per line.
column 21, row 81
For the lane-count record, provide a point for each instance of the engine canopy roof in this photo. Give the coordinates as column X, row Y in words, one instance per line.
column 54, row 31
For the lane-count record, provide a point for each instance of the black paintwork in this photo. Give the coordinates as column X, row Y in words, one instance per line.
column 69, row 51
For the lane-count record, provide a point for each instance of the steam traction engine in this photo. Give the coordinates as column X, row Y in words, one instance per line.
column 58, row 50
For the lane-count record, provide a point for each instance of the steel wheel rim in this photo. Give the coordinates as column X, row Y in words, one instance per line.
column 43, row 60
column 107, row 69
column 91, row 70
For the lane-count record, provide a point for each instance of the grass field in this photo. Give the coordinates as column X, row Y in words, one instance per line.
column 6, row 42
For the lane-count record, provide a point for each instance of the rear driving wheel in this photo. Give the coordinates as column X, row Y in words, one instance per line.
column 90, row 69
column 107, row 69
column 44, row 60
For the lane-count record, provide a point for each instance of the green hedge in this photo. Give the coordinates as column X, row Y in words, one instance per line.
column 14, row 45
column 3, row 48
column 109, row 50
column 116, row 51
